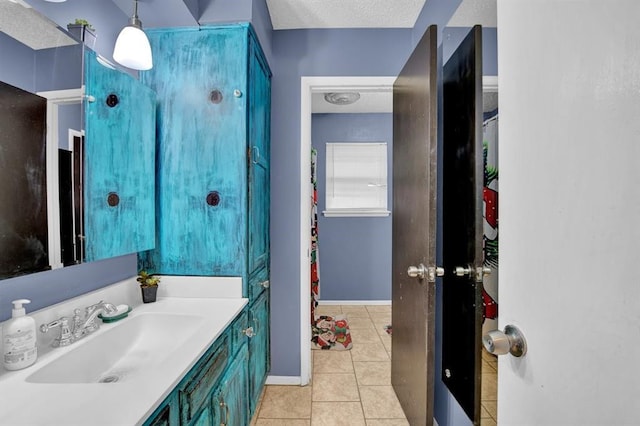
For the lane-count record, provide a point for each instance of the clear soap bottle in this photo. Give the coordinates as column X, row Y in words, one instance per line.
column 19, row 338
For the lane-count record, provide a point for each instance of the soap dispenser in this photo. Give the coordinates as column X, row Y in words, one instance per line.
column 19, row 338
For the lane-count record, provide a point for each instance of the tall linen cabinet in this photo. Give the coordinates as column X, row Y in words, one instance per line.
column 212, row 193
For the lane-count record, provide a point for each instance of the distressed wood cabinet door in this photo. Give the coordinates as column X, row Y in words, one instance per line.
column 119, row 163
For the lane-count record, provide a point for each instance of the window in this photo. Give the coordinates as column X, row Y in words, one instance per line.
column 356, row 179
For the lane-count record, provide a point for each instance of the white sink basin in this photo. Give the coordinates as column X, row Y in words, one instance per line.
column 134, row 345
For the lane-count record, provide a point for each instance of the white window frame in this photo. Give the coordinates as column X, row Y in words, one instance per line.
column 356, row 181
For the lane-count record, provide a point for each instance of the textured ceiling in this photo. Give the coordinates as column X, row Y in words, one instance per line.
column 20, row 21
column 475, row 12
column 295, row 14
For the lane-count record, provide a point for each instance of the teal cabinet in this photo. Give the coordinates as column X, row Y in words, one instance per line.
column 217, row 389
column 166, row 414
column 196, row 389
column 213, row 94
column 230, row 398
column 119, row 163
column 258, row 348
column 259, row 131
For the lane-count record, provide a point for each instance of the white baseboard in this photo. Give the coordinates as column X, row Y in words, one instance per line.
column 354, row 302
column 283, row 380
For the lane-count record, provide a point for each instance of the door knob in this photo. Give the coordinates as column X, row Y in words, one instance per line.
column 510, row 341
column 461, row 271
column 422, row 271
column 480, row 271
column 419, row 271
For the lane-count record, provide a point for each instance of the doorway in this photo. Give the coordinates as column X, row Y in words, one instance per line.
column 309, row 86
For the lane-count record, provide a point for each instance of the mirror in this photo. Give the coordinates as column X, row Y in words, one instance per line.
column 40, row 61
column 44, row 65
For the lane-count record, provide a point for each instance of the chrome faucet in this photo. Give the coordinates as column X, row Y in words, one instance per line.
column 91, row 312
column 80, row 327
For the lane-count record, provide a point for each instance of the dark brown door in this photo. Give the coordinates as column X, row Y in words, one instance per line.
column 414, row 231
column 462, row 173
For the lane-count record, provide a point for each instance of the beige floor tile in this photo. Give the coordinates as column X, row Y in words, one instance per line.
column 364, row 335
column 373, row 373
column 356, row 323
column 337, row 414
column 283, row 422
column 332, row 361
column 380, row 402
column 379, row 309
column 381, row 330
column 386, row 341
column 380, row 320
column 369, row 352
column 488, row 367
column 328, row 310
column 488, row 422
column 355, row 311
column 335, row 387
column 492, row 408
column 489, row 387
column 254, row 420
column 484, row 414
column 387, row 422
column 286, row 402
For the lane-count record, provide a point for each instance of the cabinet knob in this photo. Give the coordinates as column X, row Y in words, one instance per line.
column 264, row 284
column 113, row 199
column 213, row 198
column 248, row 332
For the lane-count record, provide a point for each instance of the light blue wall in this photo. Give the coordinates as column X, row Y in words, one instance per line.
column 261, row 21
column 219, row 11
column 355, row 252
column 58, row 68
column 18, row 64
column 50, row 287
column 104, row 15
column 299, row 53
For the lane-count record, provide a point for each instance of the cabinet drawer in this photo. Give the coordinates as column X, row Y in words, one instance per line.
column 202, row 379
column 237, row 334
column 258, row 282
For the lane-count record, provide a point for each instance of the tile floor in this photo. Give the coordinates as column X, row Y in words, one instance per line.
column 489, row 391
column 353, row 388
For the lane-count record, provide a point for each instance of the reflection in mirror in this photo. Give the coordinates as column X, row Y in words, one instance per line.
column 43, row 64
column 23, row 200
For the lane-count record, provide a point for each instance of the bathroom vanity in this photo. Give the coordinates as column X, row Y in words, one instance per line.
column 183, row 360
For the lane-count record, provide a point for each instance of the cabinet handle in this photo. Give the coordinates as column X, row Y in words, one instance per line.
column 248, row 332
column 255, row 154
column 264, row 284
column 226, row 413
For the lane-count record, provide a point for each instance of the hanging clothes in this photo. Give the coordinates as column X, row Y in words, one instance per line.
column 315, row 266
column 490, row 237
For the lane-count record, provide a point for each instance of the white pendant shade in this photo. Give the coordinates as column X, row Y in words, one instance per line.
column 132, row 49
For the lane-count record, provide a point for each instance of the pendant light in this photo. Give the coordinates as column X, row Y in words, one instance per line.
column 132, row 46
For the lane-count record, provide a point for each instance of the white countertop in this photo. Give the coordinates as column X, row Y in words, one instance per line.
column 121, row 403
